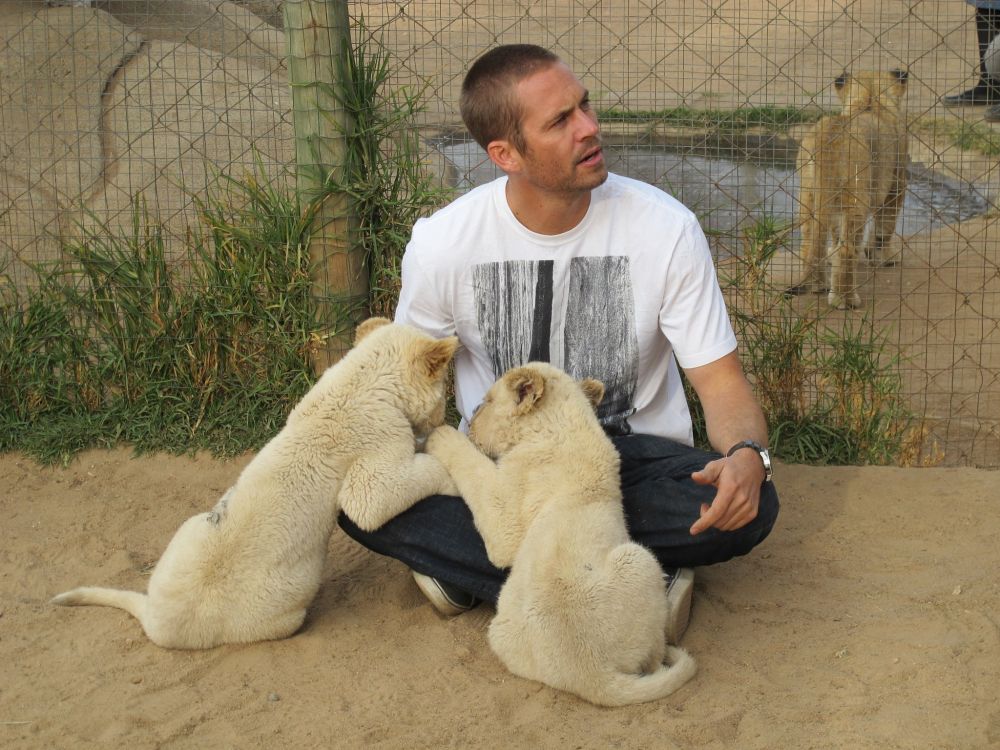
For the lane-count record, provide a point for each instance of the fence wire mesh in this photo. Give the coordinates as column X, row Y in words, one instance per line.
column 107, row 101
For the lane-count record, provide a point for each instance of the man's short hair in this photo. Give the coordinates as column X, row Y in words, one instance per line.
column 489, row 108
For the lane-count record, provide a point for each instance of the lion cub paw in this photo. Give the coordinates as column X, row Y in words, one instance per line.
column 442, row 440
column 446, row 485
column 850, row 301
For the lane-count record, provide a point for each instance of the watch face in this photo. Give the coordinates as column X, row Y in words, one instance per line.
column 766, row 458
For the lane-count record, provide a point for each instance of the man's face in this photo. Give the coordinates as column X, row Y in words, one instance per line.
column 562, row 138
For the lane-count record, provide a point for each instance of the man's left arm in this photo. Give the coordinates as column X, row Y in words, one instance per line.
column 732, row 415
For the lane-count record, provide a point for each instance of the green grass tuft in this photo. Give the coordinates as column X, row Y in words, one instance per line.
column 967, row 136
column 118, row 345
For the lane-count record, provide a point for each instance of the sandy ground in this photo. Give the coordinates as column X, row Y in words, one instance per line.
column 869, row 619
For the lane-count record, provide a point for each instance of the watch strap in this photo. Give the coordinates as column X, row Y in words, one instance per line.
column 765, row 457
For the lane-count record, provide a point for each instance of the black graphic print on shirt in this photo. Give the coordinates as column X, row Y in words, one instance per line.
column 521, row 320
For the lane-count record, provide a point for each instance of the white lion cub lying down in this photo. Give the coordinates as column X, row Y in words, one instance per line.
column 247, row 570
column 584, row 609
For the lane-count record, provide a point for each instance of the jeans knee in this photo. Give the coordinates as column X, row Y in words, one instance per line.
column 741, row 541
column 767, row 510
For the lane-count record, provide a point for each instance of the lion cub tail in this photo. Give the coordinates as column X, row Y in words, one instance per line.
column 132, row 602
column 623, row 689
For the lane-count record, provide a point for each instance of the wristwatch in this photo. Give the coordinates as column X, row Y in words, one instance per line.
column 764, row 455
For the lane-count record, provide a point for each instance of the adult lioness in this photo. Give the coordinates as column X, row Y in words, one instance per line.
column 852, row 167
column 584, row 608
column 247, row 570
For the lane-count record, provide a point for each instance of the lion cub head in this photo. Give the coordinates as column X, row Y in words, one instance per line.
column 418, row 366
column 537, row 399
column 872, row 91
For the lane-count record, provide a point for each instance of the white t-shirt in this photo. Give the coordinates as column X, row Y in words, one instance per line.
column 617, row 298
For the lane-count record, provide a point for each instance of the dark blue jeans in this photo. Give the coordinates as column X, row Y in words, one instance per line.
column 437, row 536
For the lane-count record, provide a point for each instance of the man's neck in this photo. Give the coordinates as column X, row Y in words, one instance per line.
column 547, row 213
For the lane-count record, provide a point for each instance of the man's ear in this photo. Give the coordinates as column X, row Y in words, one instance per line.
column 504, row 155
column 593, row 390
column 527, row 386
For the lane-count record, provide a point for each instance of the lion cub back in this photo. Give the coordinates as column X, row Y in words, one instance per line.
column 854, row 157
column 584, row 608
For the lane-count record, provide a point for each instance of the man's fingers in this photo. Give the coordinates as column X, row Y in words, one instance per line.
column 740, row 512
column 726, row 513
column 734, row 505
column 702, row 477
column 709, row 474
column 709, row 515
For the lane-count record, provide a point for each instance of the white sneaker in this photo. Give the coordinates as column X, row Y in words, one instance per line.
column 447, row 599
column 680, row 589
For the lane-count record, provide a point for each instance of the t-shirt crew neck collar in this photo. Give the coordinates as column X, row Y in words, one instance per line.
column 503, row 207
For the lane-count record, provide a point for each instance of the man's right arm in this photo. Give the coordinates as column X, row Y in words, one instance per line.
column 421, row 303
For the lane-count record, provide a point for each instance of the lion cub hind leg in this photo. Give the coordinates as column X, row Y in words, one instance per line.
column 812, row 276
column 844, row 264
column 814, row 239
column 509, row 640
column 885, row 225
column 148, row 610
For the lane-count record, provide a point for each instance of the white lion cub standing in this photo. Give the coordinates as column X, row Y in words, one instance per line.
column 247, row 570
column 584, row 608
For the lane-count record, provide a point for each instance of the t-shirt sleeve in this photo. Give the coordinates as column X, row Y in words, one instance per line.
column 693, row 316
column 422, row 302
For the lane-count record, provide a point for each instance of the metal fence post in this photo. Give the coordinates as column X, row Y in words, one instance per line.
column 318, row 35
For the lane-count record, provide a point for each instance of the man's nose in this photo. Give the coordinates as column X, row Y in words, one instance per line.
column 587, row 126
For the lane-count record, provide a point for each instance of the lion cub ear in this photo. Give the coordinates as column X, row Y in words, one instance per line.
column 593, row 390
column 435, row 355
column 899, row 79
column 527, row 386
column 367, row 326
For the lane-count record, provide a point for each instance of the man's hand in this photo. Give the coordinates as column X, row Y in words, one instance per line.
column 738, row 479
column 731, row 414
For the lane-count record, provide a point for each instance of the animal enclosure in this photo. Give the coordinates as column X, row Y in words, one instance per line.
column 111, row 102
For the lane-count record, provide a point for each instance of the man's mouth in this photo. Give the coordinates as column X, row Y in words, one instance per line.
column 592, row 158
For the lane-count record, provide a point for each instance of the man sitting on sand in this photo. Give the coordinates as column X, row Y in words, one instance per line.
column 605, row 277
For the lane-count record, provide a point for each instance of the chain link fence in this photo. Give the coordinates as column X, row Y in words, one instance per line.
column 106, row 101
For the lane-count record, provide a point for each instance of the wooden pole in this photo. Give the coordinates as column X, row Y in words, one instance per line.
column 318, row 38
